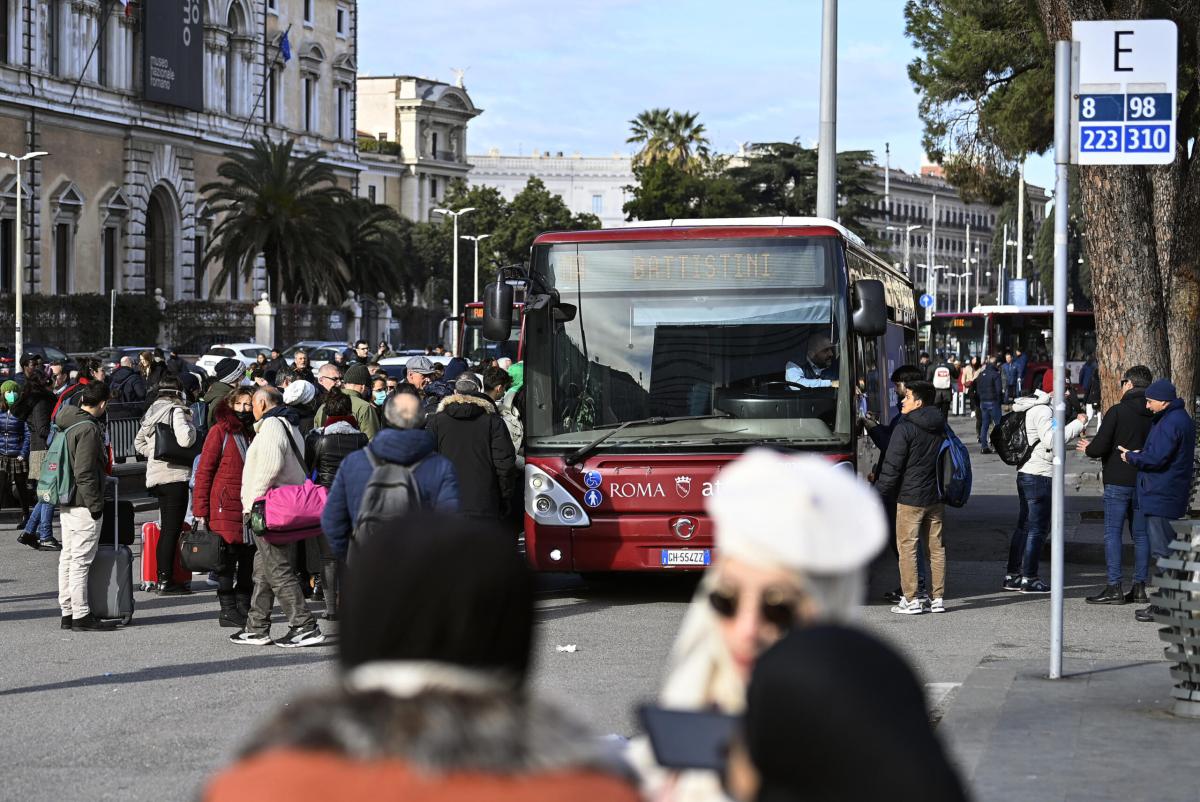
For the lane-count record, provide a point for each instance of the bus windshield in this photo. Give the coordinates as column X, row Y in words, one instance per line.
column 747, row 333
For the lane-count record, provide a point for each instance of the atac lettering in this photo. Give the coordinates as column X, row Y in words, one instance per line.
column 702, row 266
column 636, row 490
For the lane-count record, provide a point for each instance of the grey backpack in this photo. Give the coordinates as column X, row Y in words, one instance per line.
column 391, row 493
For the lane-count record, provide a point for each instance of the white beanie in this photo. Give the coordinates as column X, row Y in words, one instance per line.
column 797, row 512
column 299, row 392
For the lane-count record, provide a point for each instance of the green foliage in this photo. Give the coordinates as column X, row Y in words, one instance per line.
column 369, row 244
column 671, row 136
column 665, row 192
column 1079, row 270
column 369, row 145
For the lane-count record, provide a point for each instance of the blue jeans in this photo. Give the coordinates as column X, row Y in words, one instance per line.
column 41, row 520
column 989, row 412
column 1119, row 507
column 1161, row 534
column 1033, row 524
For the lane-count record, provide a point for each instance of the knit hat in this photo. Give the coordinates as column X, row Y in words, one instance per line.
column 466, row 383
column 455, row 368
column 357, row 374
column 800, row 513
column 229, row 371
column 1161, row 390
column 419, row 364
column 299, row 392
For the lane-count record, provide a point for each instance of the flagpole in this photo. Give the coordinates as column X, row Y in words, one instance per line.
column 108, row 7
column 266, row 78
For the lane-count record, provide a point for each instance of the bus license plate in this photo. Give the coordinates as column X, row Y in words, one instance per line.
column 686, row 557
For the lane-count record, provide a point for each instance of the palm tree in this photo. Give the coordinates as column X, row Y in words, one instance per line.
column 671, row 136
column 647, row 130
column 372, row 245
column 283, row 208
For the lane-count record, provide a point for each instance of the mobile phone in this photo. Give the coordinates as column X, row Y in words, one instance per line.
column 688, row 739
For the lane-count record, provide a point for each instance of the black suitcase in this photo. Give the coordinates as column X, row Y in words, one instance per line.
column 119, row 513
column 110, row 579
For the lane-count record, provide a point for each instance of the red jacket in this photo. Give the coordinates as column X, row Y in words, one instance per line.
column 218, row 490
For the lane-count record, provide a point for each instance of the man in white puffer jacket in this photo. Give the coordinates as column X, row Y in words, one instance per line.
column 1033, row 491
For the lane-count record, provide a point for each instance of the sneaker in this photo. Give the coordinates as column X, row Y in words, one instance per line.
column 48, row 544
column 937, row 606
column 28, row 539
column 309, row 636
column 893, row 596
column 1031, row 584
column 246, row 638
column 906, row 607
column 65, row 623
column 90, row 623
column 1011, row 582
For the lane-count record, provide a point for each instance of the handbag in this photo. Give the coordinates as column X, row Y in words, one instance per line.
column 167, row 447
column 201, row 550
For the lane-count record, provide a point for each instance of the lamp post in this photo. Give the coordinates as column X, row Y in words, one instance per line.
column 454, row 290
column 908, row 230
column 19, row 279
column 476, row 239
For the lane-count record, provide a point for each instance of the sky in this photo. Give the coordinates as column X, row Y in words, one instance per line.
column 568, row 75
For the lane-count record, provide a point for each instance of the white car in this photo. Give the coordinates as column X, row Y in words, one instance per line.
column 246, row 352
column 319, row 352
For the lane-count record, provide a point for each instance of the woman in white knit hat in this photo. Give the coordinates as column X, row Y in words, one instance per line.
column 794, row 537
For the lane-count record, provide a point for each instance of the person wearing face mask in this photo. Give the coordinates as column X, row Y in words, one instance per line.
column 217, row 502
column 794, row 536
column 168, row 481
column 15, row 438
column 379, row 391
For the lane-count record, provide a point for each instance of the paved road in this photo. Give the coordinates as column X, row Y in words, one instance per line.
column 148, row 712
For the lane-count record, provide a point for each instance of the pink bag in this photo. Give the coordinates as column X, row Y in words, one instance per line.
column 290, row 513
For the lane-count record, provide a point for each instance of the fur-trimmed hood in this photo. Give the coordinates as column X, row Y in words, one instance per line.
column 468, row 403
column 438, row 718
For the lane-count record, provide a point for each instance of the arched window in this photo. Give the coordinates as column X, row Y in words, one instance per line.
column 234, row 61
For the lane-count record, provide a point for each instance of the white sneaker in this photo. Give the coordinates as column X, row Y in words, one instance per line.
column 906, row 607
column 937, row 606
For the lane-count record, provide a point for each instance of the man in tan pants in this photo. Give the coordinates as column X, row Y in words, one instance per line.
column 909, row 472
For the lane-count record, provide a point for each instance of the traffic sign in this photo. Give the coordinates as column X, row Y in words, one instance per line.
column 926, row 300
column 592, row 498
column 592, row 479
column 1124, row 77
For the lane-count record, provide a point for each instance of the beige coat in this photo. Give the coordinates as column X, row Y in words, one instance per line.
column 180, row 417
column 270, row 461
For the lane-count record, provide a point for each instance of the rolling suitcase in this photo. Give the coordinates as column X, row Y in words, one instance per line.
column 110, row 579
column 119, row 514
column 150, row 533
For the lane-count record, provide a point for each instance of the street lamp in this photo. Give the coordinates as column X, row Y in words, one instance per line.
column 476, row 240
column 960, row 290
column 19, row 297
column 908, row 230
column 454, row 291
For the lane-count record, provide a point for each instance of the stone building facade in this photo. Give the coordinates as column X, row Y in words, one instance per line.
column 587, row 184
column 413, row 133
column 116, row 204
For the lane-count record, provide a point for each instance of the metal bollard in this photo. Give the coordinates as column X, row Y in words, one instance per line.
column 1178, row 592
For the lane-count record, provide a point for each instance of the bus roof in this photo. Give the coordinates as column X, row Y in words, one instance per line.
column 1008, row 309
column 699, row 229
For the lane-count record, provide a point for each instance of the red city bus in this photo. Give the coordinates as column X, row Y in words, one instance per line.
column 656, row 354
column 473, row 346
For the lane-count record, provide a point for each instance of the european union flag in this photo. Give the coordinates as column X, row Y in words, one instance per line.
column 285, row 47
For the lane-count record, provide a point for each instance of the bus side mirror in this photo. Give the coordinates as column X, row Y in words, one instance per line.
column 869, row 315
column 497, row 311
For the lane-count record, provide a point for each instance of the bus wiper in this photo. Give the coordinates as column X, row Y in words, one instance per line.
column 583, row 451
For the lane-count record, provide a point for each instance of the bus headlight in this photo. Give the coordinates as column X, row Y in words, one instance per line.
column 549, row 503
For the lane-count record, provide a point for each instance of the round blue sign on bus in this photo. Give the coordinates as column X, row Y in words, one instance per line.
column 592, row 479
column 926, row 300
column 592, row 498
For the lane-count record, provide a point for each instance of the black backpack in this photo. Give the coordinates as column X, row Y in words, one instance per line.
column 1011, row 441
column 390, row 494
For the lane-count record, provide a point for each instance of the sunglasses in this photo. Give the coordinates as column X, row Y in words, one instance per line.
column 776, row 610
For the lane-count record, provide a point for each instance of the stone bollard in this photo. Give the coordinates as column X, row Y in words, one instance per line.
column 1178, row 592
column 264, row 322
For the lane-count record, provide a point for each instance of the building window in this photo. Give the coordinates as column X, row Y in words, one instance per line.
column 8, row 254
column 343, row 112
column 109, row 256
column 198, row 261
column 271, row 107
column 434, row 145
column 371, row 193
column 4, row 33
column 341, row 22
column 382, row 136
column 62, row 257
column 433, row 187
column 308, row 12
column 597, row 205
column 52, row 35
column 273, row 6
column 310, row 103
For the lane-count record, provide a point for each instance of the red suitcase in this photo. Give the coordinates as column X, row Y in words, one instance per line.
column 150, row 533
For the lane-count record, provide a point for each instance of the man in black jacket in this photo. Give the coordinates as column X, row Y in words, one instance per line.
column 987, row 386
column 909, row 473
column 1126, row 424
column 472, row 435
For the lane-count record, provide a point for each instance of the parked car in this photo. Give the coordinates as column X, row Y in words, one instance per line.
column 395, row 365
column 247, row 352
column 48, row 353
column 319, row 352
column 111, row 357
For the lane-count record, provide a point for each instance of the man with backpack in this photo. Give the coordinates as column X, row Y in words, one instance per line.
column 909, row 473
column 987, row 387
column 1035, row 471
column 942, row 377
column 1164, row 465
column 127, row 384
column 74, row 474
column 398, row 472
column 1125, row 425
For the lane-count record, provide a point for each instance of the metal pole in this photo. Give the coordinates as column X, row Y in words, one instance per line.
column 112, row 315
column 476, row 296
column 931, row 278
column 967, row 270
column 1062, row 140
column 19, row 296
column 907, row 248
column 827, row 138
column 454, row 311
column 1000, row 291
column 1021, row 221
column 887, row 181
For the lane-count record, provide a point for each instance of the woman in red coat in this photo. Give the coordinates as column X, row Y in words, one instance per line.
column 216, row 499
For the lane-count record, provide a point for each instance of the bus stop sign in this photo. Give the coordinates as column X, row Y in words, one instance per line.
column 1123, row 87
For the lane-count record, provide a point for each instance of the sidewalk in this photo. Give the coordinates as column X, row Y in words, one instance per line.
column 1103, row 732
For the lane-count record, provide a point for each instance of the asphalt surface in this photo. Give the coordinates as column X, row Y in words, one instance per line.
column 148, row 712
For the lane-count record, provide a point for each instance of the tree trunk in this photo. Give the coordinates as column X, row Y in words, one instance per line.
column 274, row 258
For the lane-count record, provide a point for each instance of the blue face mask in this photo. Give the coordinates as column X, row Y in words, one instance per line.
column 380, row 397
column 10, row 398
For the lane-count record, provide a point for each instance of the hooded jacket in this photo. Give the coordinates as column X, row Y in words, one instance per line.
column 1126, row 423
column 471, row 435
column 327, row 447
column 1039, row 431
column 216, row 496
column 127, row 385
column 434, row 475
column 14, row 436
column 909, row 470
column 89, row 462
column 34, row 407
column 1166, row 462
column 173, row 412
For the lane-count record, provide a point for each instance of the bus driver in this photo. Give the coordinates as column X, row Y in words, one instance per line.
column 820, row 369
